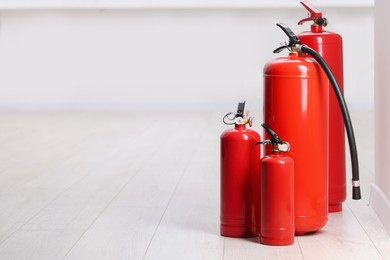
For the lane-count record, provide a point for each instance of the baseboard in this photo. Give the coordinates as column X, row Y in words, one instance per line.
column 381, row 205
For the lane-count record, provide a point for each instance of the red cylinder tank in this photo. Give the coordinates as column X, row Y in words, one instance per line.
column 240, row 181
column 296, row 106
column 277, row 200
column 329, row 45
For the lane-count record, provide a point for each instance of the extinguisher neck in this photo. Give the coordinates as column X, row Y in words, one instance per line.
column 239, row 126
column 277, row 152
column 315, row 28
column 294, row 54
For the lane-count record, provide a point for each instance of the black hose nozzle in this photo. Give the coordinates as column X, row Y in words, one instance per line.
column 356, row 194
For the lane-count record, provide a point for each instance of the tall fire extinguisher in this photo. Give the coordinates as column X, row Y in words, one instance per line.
column 296, row 105
column 277, row 193
column 240, row 176
column 329, row 46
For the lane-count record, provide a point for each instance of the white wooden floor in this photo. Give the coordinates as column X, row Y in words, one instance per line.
column 146, row 186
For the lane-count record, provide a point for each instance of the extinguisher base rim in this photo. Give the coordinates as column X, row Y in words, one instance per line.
column 277, row 241
column 335, row 208
column 243, row 232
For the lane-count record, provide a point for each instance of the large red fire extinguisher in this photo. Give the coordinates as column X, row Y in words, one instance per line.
column 240, row 176
column 277, row 193
column 329, row 46
column 296, row 105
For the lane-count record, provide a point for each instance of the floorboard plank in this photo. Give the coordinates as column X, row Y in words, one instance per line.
column 189, row 228
column 41, row 244
column 149, row 191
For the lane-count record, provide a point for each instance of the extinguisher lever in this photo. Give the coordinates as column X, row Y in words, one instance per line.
column 293, row 39
column 275, row 139
column 314, row 13
column 240, row 108
column 277, row 143
column 280, row 48
column 308, row 19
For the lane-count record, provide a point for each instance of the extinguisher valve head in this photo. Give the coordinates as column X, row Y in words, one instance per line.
column 283, row 147
column 239, row 121
column 278, row 145
column 322, row 21
column 238, row 118
column 244, row 120
column 293, row 41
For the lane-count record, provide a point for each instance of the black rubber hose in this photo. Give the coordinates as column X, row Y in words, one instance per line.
column 356, row 194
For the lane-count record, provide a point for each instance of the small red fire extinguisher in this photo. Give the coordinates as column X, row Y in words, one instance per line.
column 330, row 46
column 277, row 193
column 240, row 176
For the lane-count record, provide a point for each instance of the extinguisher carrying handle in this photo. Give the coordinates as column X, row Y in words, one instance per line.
column 356, row 194
column 315, row 15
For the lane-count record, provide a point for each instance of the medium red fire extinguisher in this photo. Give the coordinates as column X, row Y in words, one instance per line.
column 240, row 176
column 329, row 46
column 277, row 193
column 296, row 105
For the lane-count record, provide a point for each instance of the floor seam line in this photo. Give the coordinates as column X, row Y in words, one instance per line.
column 171, row 197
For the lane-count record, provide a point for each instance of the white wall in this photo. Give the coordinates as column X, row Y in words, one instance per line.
column 160, row 58
column 380, row 192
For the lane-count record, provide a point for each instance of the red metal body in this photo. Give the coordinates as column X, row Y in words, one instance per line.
column 329, row 46
column 296, row 106
column 277, row 200
column 240, row 182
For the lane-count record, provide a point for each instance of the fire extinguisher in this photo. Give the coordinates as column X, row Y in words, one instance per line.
column 330, row 46
column 240, row 176
column 277, row 193
column 296, row 105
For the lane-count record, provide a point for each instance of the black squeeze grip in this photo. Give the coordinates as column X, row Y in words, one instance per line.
column 240, row 109
column 275, row 139
column 293, row 39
